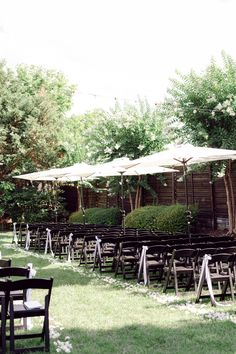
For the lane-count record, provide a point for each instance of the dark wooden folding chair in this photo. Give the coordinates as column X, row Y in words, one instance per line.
column 180, row 269
column 105, row 252
column 220, row 272
column 152, row 264
column 27, row 310
column 197, row 263
column 127, row 258
column 15, row 273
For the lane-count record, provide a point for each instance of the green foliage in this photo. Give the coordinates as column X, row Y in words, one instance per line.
column 173, row 218
column 161, row 217
column 145, row 217
column 104, row 216
column 33, row 103
column 28, row 204
column 131, row 130
column 203, row 106
column 75, row 137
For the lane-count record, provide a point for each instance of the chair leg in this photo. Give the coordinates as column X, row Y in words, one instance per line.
column 3, row 327
column 46, row 333
column 12, row 334
column 167, row 281
column 176, row 283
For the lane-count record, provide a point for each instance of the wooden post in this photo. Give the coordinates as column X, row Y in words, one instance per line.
column 212, row 197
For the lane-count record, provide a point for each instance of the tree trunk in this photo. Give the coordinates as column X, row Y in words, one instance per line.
column 229, row 201
column 137, row 196
column 131, row 201
column 232, row 196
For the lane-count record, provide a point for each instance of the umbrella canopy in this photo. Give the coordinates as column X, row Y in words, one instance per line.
column 186, row 154
column 137, row 170
column 66, row 174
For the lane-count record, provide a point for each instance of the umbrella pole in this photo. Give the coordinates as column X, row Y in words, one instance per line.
column 122, row 201
column 56, row 201
column 185, row 183
column 82, row 199
column 188, row 212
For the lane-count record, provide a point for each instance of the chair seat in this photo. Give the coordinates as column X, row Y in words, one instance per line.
column 155, row 263
column 182, row 269
column 20, row 311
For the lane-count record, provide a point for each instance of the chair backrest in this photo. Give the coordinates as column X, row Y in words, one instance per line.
column 230, row 250
column 131, row 246
column 5, row 263
column 220, row 257
column 202, row 252
column 32, row 283
column 185, row 255
column 14, row 272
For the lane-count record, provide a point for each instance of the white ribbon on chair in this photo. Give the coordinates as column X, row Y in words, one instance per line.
column 15, row 238
column 27, row 322
column 48, row 242
column 69, row 247
column 143, row 265
column 27, row 240
column 205, row 275
column 98, row 251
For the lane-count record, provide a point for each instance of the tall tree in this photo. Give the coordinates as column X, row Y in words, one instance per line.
column 33, row 103
column 203, row 108
column 131, row 130
column 75, row 135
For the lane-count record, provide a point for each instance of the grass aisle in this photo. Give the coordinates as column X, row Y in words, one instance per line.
column 94, row 314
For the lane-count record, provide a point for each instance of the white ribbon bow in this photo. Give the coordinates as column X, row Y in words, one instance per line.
column 70, row 247
column 27, row 240
column 27, row 322
column 143, row 265
column 205, row 275
column 48, row 242
column 15, row 238
column 97, row 251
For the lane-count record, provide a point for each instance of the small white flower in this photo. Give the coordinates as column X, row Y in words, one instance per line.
column 219, row 106
column 141, row 147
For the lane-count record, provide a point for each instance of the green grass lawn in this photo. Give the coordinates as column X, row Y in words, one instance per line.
column 97, row 314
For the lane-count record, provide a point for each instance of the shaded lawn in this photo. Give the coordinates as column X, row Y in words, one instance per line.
column 103, row 318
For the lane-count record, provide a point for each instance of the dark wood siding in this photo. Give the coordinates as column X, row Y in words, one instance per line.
column 210, row 197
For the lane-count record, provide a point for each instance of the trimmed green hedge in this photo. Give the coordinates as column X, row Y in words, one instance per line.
column 145, row 217
column 104, row 216
column 165, row 218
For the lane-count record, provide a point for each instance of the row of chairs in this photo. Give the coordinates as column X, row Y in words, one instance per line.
column 161, row 262
column 16, row 304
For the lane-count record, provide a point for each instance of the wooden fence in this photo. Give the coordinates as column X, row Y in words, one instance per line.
column 209, row 196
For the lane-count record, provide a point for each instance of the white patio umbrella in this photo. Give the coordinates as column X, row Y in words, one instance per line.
column 184, row 155
column 77, row 172
column 115, row 169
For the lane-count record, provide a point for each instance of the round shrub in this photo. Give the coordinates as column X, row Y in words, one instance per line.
column 144, row 218
column 165, row 218
column 103, row 216
column 173, row 218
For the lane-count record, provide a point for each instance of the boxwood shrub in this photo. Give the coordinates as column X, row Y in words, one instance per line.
column 165, row 218
column 144, row 218
column 104, row 216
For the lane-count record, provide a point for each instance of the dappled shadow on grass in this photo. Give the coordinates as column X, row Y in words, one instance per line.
column 195, row 337
column 63, row 276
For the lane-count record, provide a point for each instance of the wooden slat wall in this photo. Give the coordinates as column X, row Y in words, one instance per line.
column 209, row 197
